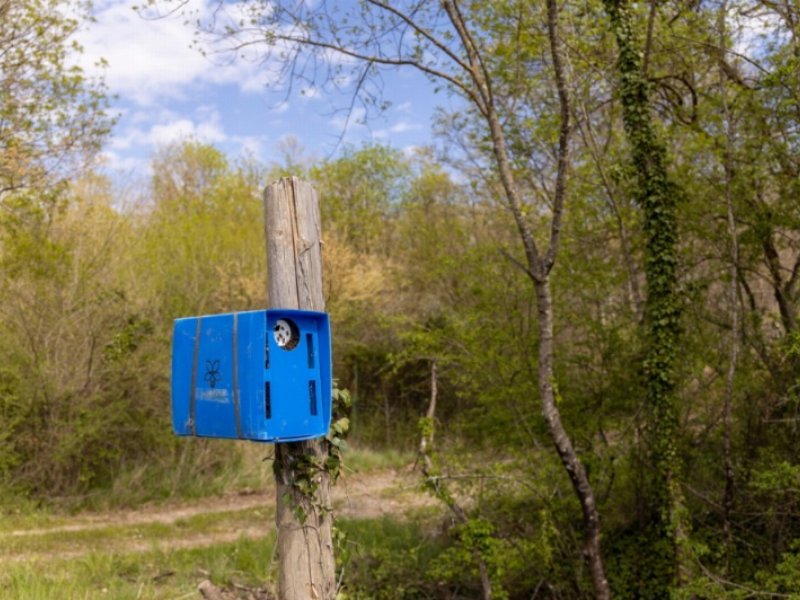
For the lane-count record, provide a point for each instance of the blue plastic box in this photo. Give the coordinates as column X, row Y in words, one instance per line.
column 261, row 375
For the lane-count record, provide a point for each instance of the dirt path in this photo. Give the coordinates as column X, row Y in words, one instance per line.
column 359, row 496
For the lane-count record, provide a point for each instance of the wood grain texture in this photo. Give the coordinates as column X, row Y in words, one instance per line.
column 294, row 279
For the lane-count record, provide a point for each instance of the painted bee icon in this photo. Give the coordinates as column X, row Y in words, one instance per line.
column 212, row 373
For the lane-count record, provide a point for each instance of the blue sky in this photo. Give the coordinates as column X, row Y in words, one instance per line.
column 167, row 91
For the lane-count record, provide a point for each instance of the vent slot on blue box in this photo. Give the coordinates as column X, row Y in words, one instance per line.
column 310, row 350
column 312, row 397
column 260, row 375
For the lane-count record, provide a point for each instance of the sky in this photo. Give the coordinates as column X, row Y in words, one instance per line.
column 164, row 91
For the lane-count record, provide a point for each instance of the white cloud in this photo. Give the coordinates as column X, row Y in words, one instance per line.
column 403, row 126
column 250, row 146
column 167, row 133
column 125, row 140
column 399, row 127
column 168, row 127
column 131, row 148
column 124, row 164
column 150, row 59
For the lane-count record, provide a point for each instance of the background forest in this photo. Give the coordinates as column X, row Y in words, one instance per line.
column 619, row 122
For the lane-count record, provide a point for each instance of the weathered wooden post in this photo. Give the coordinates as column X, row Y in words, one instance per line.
column 294, row 280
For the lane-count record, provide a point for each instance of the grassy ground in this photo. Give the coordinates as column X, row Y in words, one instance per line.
column 165, row 549
column 65, row 542
column 243, row 565
column 173, row 573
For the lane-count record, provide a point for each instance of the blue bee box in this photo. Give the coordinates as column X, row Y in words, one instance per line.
column 261, row 375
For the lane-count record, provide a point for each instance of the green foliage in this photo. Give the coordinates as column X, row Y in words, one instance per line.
column 388, row 560
column 340, row 426
column 51, row 116
column 361, row 191
column 196, row 254
column 87, row 302
column 784, row 578
column 475, row 538
column 307, row 469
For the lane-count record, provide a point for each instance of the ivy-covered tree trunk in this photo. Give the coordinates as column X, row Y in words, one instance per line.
column 656, row 197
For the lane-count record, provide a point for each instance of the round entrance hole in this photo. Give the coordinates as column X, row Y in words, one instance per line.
column 286, row 334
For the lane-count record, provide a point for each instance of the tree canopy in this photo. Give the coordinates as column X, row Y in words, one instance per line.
column 52, row 117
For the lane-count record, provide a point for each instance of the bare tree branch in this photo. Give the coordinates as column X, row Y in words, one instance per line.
column 563, row 134
column 422, row 31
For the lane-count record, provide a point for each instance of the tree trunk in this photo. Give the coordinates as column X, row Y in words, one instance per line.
column 566, row 452
column 733, row 292
column 304, row 521
column 426, row 438
column 438, row 486
column 539, row 266
column 656, row 196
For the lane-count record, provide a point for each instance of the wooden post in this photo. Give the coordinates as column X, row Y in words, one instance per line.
column 304, row 520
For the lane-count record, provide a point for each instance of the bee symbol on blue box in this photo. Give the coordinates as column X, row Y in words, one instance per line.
column 212, row 372
column 258, row 375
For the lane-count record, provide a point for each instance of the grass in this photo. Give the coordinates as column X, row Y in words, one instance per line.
column 114, row 559
column 376, row 551
column 249, row 467
column 29, row 518
column 116, row 536
column 364, row 460
column 153, row 575
column 204, row 468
